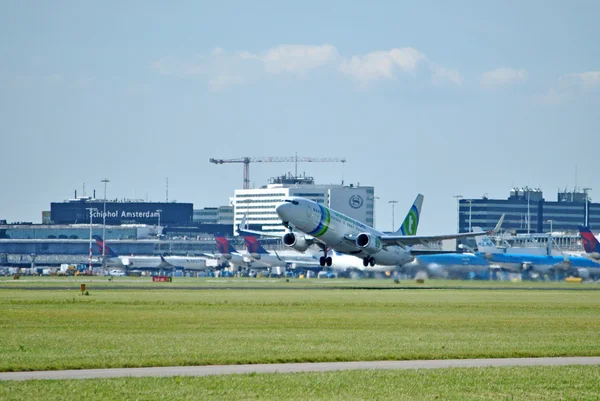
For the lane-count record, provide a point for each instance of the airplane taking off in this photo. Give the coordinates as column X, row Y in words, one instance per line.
column 327, row 228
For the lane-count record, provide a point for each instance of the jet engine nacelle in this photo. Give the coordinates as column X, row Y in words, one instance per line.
column 369, row 243
column 295, row 241
column 226, row 256
column 595, row 255
column 255, row 256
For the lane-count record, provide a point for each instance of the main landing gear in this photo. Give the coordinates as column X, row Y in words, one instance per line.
column 325, row 260
column 369, row 261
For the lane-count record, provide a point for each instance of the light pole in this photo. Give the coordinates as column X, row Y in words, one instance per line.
column 550, row 221
column 458, row 198
column 92, row 210
column 105, row 181
column 373, row 198
column 587, row 203
column 393, row 202
column 159, row 211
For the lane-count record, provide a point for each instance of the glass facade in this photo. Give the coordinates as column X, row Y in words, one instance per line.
column 529, row 212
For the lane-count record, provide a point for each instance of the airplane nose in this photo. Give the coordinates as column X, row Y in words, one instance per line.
column 283, row 210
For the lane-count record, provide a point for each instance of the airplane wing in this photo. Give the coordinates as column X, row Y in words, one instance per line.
column 411, row 240
column 262, row 233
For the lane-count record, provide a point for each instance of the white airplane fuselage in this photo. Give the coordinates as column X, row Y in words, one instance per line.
column 333, row 229
column 152, row 262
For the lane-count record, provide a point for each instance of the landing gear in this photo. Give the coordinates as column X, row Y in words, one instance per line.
column 369, row 261
column 325, row 260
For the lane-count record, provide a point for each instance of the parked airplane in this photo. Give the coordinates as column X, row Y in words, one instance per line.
column 327, row 228
column 149, row 262
column 591, row 246
column 526, row 263
column 450, row 266
column 256, row 252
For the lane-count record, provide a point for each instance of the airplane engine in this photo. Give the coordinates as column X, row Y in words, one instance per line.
column 295, row 241
column 255, row 256
column 564, row 265
column 226, row 256
column 369, row 243
column 595, row 255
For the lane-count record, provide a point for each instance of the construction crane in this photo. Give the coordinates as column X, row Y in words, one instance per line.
column 295, row 159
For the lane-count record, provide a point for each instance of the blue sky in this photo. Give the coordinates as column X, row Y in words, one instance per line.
column 442, row 98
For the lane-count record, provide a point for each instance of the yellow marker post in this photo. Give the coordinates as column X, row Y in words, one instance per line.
column 82, row 288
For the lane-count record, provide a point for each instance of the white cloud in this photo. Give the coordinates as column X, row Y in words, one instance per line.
column 298, row 59
column 442, row 74
column 587, row 80
column 382, row 64
column 569, row 87
column 223, row 69
column 552, row 97
column 501, row 77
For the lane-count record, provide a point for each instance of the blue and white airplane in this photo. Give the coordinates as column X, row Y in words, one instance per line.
column 526, row 263
column 450, row 266
column 312, row 223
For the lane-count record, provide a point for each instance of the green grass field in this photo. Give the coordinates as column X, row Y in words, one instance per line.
column 531, row 383
column 146, row 282
column 128, row 328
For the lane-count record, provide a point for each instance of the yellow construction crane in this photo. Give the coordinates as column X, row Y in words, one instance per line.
column 293, row 159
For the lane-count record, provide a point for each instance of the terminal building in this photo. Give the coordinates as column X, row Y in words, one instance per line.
column 527, row 212
column 214, row 215
column 258, row 205
column 77, row 211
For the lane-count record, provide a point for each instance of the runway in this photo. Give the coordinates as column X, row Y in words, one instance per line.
column 292, row 368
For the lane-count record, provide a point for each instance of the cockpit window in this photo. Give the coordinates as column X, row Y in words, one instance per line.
column 293, row 202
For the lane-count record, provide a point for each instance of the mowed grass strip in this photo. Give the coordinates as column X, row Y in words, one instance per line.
column 518, row 383
column 41, row 330
column 99, row 282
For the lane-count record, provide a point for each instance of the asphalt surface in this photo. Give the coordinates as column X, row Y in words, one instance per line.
column 292, row 368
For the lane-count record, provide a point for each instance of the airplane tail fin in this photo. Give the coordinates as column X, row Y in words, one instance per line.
column 107, row 250
column 223, row 245
column 253, row 245
column 484, row 243
column 589, row 241
column 411, row 222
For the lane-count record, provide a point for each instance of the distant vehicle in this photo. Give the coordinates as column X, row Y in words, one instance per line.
column 116, row 273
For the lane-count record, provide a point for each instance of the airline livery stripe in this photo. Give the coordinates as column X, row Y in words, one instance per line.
column 323, row 225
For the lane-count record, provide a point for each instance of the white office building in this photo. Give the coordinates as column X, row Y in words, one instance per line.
column 214, row 215
column 258, row 205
